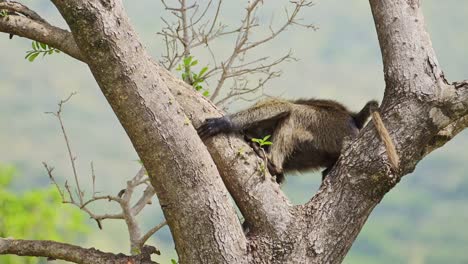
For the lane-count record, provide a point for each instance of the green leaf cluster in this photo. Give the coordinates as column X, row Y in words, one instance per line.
column 39, row 48
column 3, row 13
column 263, row 141
column 35, row 214
column 195, row 79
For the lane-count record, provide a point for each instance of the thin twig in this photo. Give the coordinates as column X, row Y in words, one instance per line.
column 52, row 178
column 93, row 178
column 151, row 232
column 58, row 114
column 127, row 212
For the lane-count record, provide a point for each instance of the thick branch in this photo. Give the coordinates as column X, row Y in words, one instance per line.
column 191, row 193
column 42, row 32
column 56, row 250
column 16, row 8
column 260, row 199
column 417, row 107
column 455, row 102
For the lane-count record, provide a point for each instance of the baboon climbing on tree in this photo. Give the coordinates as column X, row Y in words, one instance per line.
column 307, row 134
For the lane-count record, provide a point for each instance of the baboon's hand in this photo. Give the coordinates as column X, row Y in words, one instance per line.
column 213, row 126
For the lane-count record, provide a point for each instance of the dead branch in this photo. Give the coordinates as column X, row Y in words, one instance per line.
column 128, row 210
column 182, row 38
column 58, row 115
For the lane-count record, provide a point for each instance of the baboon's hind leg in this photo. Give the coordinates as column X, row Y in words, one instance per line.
column 274, row 171
column 282, row 147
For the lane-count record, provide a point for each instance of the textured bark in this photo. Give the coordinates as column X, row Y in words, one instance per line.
column 56, row 250
column 420, row 109
column 418, row 106
column 193, row 198
column 40, row 31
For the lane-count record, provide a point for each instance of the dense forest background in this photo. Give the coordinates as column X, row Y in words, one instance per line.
column 423, row 220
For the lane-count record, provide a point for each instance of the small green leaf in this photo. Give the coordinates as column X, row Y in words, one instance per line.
column 193, row 63
column 3, row 13
column 256, row 140
column 206, row 93
column 43, row 45
column 268, row 143
column 266, row 137
column 202, row 71
column 179, row 67
column 34, row 47
column 173, row 261
column 187, row 61
column 33, row 57
column 198, row 87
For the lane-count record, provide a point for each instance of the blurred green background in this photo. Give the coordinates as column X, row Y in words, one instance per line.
column 423, row 220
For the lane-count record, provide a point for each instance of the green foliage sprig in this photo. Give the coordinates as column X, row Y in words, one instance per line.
column 3, row 13
column 193, row 78
column 39, row 48
column 263, row 141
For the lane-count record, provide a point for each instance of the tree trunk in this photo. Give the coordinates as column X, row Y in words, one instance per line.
column 420, row 109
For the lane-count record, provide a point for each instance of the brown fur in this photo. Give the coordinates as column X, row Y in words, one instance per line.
column 307, row 134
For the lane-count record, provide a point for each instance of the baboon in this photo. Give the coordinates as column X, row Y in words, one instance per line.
column 307, row 134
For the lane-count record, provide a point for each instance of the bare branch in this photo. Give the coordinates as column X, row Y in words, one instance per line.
column 104, row 197
column 193, row 23
column 238, row 91
column 93, row 178
column 228, row 68
column 291, row 20
column 99, row 217
column 58, row 114
column 123, row 199
column 51, row 177
column 67, row 187
column 151, row 232
column 63, row 251
column 188, row 37
column 145, row 199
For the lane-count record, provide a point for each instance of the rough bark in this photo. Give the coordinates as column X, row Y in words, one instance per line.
column 39, row 30
column 193, row 198
column 55, row 250
column 418, row 105
column 420, row 109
